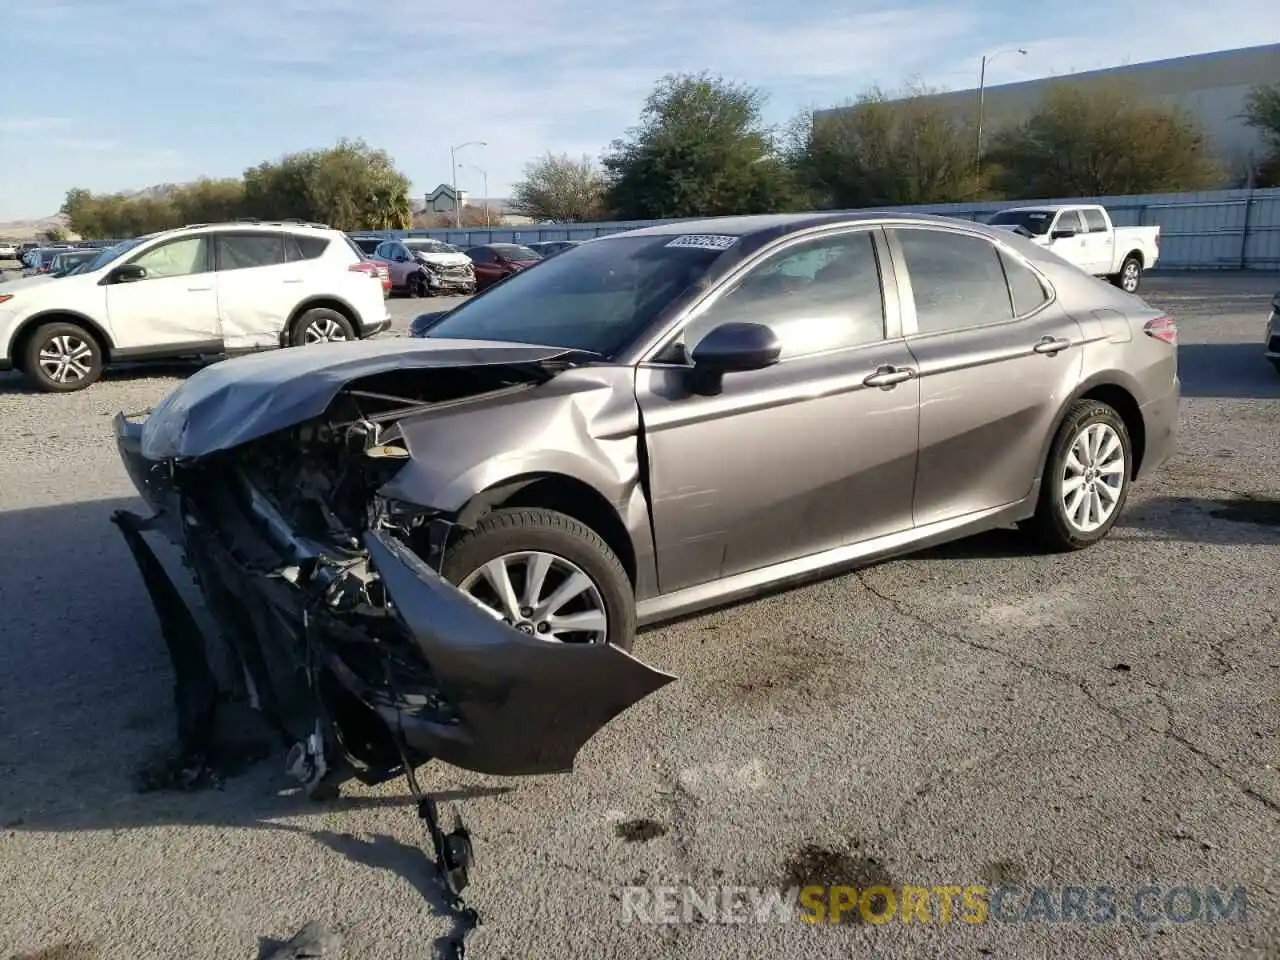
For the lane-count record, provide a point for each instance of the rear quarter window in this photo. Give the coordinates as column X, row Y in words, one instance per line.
column 298, row 246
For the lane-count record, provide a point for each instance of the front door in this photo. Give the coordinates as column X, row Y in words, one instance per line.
column 174, row 307
column 997, row 359
column 797, row 458
column 1074, row 248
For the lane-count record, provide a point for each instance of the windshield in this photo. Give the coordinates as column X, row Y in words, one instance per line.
column 430, row 246
column 111, row 253
column 514, row 251
column 1033, row 221
column 600, row 299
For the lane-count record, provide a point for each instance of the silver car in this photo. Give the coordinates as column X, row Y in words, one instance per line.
column 460, row 532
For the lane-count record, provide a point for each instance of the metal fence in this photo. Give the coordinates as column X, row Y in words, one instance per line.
column 1217, row 230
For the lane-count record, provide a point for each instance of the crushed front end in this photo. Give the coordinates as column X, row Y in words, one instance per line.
column 331, row 619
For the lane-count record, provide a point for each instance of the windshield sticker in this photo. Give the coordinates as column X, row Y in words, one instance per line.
column 703, row 241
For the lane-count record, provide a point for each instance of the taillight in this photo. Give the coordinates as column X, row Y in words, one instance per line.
column 1161, row 328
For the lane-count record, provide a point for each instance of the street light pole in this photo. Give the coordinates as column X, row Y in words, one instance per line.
column 982, row 90
column 453, row 161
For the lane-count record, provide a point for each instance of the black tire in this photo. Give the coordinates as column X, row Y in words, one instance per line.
column 66, row 337
column 1131, row 264
column 321, row 318
column 417, row 286
column 523, row 528
column 1050, row 528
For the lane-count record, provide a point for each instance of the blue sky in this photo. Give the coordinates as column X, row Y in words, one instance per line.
column 169, row 90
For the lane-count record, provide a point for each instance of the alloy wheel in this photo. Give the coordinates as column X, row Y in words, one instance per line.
column 1129, row 277
column 1093, row 477
column 324, row 330
column 66, row 358
column 541, row 594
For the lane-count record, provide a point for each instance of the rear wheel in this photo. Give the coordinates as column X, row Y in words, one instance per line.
column 321, row 325
column 1086, row 479
column 61, row 358
column 1129, row 279
column 547, row 575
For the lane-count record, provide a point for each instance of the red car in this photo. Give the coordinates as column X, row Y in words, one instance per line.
column 497, row 261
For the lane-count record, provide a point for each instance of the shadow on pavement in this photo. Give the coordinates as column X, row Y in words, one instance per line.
column 1229, row 370
column 15, row 382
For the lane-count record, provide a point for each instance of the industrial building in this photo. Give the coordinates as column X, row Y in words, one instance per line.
column 1210, row 87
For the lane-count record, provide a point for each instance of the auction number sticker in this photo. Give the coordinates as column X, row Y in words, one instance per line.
column 704, row 241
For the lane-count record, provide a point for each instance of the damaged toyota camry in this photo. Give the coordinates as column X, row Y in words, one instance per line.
column 442, row 546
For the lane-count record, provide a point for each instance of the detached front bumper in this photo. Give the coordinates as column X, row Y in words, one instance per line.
column 441, row 674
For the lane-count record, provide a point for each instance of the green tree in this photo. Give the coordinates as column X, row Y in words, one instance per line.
column 1262, row 112
column 53, row 235
column 885, row 149
column 1100, row 141
column 209, row 201
column 557, row 187
column 701, row 148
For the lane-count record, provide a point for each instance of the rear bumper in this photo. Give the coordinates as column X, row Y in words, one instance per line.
column 373, row 329
column 433, row 666
column 1161, row 420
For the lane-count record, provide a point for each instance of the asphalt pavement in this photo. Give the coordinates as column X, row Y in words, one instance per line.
column 978, row 714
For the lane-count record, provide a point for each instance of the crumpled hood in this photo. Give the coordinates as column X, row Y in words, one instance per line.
column 442, row 259
column 235, row 401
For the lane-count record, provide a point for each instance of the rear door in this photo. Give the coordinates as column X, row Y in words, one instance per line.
column 257, row 288
column 997, row 358
column 487, row 266
column 798, row 458
column 174, row 308
column 1100, row 242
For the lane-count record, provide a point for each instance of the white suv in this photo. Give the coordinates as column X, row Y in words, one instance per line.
column 201, row 290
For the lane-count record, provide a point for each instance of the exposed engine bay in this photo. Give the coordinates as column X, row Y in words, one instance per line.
column 331, row 618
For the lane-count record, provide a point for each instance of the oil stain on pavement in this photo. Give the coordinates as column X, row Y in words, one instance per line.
column 817, row 866
column 639, row 831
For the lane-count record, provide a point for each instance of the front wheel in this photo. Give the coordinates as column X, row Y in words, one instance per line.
column 1129, row 279
column 1086, row 479
column 418, row 286
column 61, row 358
column 547, row 575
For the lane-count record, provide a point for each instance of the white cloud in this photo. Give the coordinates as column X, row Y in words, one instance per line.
column 414, row 76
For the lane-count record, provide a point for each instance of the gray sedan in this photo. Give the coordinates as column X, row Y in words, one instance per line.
column 445, row 544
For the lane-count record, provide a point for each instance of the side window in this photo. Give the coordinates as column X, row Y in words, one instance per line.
column 304, row 247
column 819, row 295
column 1070, row 220
column 480, row 255
column 381, row 251
column 1025, row 288
column 1094, row 221
column 957, row 280
column 241, row 251
column 177, row 258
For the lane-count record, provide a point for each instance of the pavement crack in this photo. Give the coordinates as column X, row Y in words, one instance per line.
column 1081, row 685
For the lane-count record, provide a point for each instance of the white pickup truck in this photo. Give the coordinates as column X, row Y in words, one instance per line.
column 1083, row 234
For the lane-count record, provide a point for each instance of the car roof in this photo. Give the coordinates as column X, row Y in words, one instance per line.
column 777, row 224
column 1051, row 207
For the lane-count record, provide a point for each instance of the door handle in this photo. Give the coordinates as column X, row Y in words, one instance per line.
column 198, row 289
column 889, row 377
column 294, row 280
column 1051, row 345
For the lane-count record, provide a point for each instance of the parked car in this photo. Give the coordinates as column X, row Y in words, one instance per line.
column 467, row 527
column 549, row 248
column 40, row 260
column 1273, row 333
column 203, row 290
column 497, row 261
column 423, row 267
column 8, row 250
column 66, row 261
column 25, row 249
column 1083, row 234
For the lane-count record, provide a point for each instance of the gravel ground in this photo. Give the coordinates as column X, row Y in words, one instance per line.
column 976, row 714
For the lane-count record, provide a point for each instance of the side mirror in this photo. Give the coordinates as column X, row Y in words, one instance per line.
column 128, row 273
column 425, row 321
column 732, row 348
column 1066, row 233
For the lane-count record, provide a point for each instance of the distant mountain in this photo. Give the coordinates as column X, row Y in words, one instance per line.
column 32, row 229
